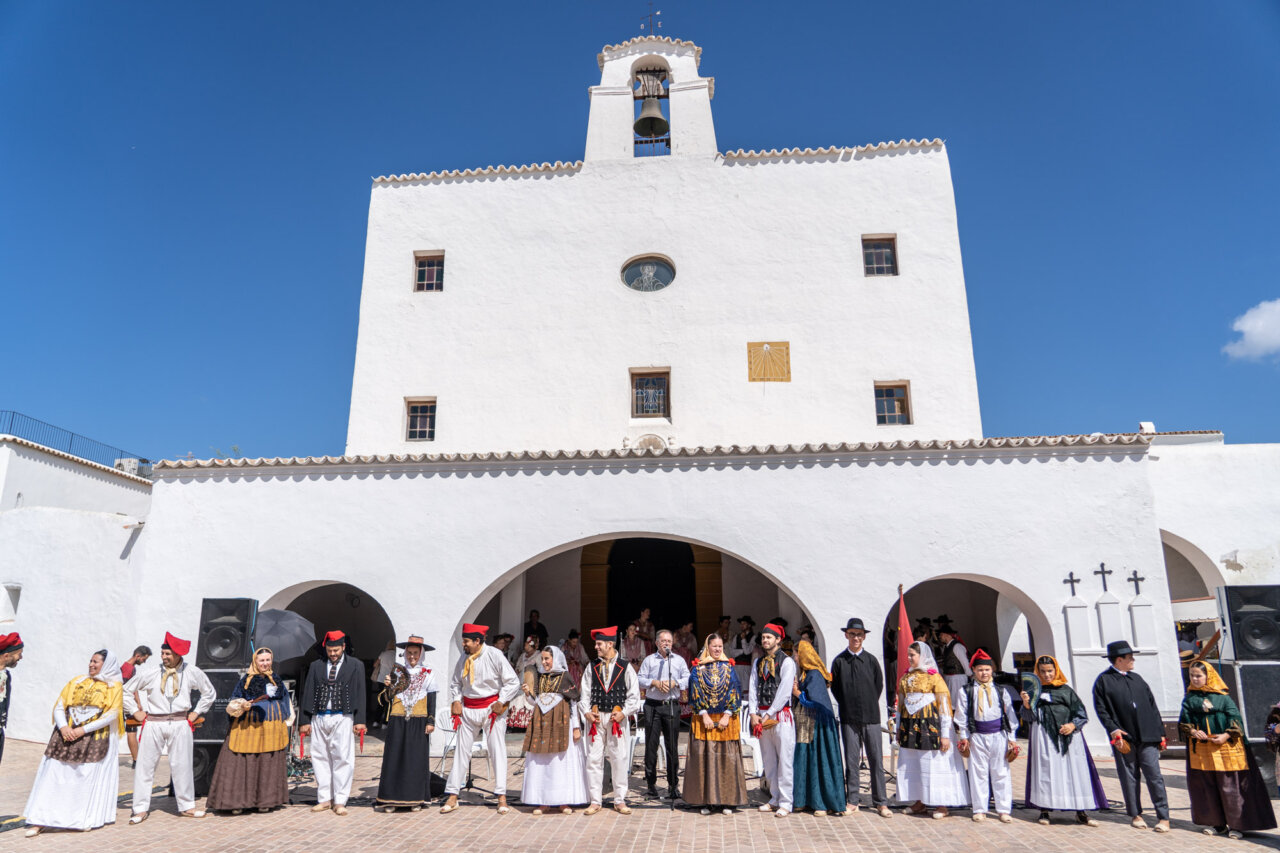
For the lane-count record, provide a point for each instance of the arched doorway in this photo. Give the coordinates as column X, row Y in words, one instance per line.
column 987, row 614
column 333, row 605
column 1192, row 578
column 570, row 587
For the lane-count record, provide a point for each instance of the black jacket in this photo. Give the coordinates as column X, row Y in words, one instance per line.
column 857, row 683
column 349, row 690
column 1126, row 702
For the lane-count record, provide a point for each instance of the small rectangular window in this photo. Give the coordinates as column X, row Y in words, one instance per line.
column 430, row 273
column 651, row 395
column 880, row 255
column 421, row 425
column 893, row 404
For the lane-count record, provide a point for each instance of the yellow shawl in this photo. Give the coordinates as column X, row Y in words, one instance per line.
column 83, row 690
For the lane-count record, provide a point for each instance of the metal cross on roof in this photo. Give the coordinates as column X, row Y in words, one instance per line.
column 1072, row 580
column 652, row 25
column 1135, row 579
column 1103, row 571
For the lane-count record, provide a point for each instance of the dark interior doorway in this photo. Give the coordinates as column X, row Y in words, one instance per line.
column 653, row 573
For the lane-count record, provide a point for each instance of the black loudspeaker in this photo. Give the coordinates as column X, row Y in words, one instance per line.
column 216, row 722
column 1255, row 687
column 1251, row 619
column 204, row 757
column 226, row 633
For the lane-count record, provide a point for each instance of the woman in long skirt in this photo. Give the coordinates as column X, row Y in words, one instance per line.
column 1228, row 795
column 78, row 782
column 1061, row 775
column 930, row 771
column 410, row 689
column 713, row 776
column 817, row 769
column 555, row 764
column 250, row 773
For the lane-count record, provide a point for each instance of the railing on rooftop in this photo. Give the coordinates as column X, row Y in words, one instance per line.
column 653, row 146
column 57, row 438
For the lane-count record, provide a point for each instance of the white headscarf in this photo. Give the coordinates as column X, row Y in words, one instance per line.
column 110, row 670
column 927, row 662
column 558, row 662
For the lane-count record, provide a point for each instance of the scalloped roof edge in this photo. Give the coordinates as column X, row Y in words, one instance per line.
column 1013, row 443
column 697, row 51
column 740, row 154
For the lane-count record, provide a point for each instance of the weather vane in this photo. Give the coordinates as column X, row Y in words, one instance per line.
column 650, row 23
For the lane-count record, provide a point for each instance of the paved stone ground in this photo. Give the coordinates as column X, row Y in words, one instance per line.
column 652, row 827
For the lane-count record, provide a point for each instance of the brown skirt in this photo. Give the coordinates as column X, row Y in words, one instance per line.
column 713, row 774
column 1238, row 799
column 248, row 780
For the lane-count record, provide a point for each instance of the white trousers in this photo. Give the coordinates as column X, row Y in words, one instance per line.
column 777, row 749
column 160, row 737
column 618, row 750
column 475, row 724
column 989, row 772
column 333, row 756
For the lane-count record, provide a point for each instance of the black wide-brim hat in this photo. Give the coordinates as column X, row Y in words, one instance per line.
column 748, row 620
column 855, row 624
column 1118, row 649
column 415, row 640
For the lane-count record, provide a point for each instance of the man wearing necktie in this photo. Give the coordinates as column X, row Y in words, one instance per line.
column 333, row 713
column 986, row 724
column 160, row 699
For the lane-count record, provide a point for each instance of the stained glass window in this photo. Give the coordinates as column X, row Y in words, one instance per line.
column 651, row 395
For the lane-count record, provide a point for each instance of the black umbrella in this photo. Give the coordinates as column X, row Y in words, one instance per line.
column 287, row 634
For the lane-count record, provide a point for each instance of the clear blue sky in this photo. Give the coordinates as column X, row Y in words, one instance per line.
column 184, row 188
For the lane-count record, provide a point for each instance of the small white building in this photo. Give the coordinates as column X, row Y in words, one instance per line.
column 706, row 382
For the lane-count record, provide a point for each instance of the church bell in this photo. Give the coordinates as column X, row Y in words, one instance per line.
column 651, row 123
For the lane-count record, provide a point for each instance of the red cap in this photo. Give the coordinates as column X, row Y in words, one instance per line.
column 175, row 645
column 335, row 638
column 981, row 657
column 776, row 630
column 610, row 633
column 474, row 632
column 10, row 642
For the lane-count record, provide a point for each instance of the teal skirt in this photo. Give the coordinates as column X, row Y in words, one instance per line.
column 817, row 771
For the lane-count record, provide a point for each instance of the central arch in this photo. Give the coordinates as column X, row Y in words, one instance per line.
column 574, row 576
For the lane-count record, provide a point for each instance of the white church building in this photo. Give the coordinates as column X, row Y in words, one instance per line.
column 667, row 375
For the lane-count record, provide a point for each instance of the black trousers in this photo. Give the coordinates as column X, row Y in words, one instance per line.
column 1143, row 760
column 857, row 737
column 662, row 719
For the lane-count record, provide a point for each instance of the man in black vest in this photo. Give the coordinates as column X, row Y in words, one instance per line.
column 610, row 695
column 332, row 713
column 953, row 658
column 1127, row 708
column 857, row 681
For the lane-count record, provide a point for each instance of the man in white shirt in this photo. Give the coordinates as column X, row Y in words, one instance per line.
column 482, row 687
column 664, row 679
column 610, row 694
column 769, row 700
column 160, row 698
column 986, row 723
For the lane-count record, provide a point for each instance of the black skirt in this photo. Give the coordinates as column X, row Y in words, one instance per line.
column 406, row 763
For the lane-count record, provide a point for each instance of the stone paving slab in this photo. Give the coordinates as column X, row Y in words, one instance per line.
column 652, row 827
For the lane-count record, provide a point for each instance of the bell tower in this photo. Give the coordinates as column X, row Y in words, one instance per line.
column 648, row 72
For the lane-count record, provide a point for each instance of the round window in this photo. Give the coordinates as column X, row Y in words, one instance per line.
column 648, row 274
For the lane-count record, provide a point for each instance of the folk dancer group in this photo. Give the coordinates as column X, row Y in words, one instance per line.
column 577, row 723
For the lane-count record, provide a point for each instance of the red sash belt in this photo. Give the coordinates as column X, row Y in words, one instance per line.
column 482, row 702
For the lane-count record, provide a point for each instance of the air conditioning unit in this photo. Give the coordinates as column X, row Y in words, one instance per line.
column 136, row 467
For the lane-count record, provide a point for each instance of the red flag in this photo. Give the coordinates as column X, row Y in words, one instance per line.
column 904, row 635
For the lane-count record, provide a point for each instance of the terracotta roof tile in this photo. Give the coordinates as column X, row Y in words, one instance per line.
column 22, row 442
column 697, row 51
column 1014, row 443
